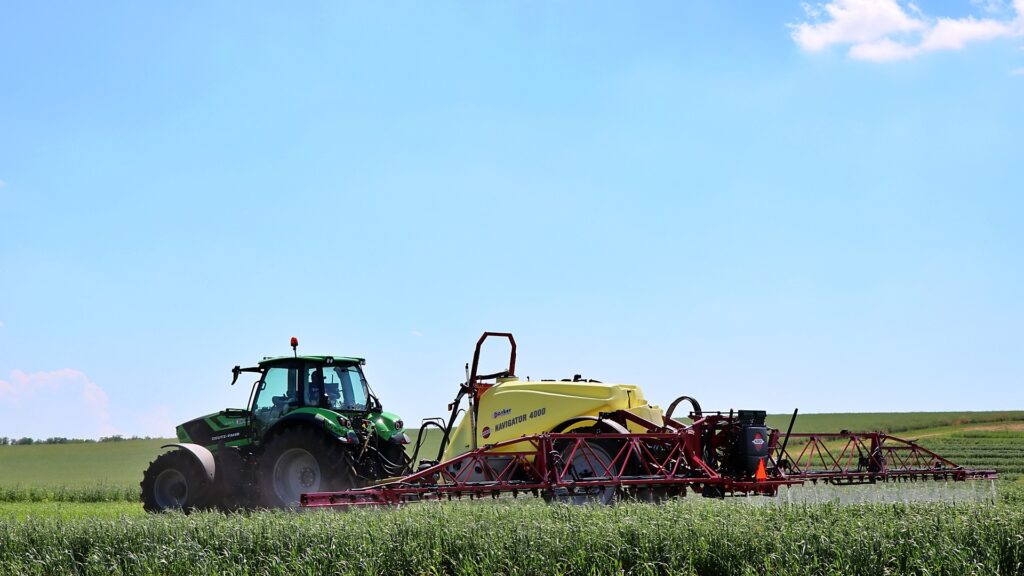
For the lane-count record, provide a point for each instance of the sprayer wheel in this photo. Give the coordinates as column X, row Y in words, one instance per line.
column 590, row 460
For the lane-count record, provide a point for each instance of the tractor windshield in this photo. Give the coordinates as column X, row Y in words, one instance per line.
column 344, row 386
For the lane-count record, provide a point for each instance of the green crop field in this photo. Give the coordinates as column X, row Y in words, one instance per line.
column 689, row 536
column 73, row 509
column 85, row 472
column 894, row 422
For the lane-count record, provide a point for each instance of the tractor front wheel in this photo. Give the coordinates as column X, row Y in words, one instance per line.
column 300, row 461
column 174, row 481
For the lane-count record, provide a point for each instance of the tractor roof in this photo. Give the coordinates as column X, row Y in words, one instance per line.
column 342, row 360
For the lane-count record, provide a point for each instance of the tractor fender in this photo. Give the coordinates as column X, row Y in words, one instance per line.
column 314, row 421
column 203, row 456
column 604, row 424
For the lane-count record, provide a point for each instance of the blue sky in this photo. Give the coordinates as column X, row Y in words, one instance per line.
column 760, row 204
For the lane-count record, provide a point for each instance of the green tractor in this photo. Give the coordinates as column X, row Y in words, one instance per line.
column 312, row 425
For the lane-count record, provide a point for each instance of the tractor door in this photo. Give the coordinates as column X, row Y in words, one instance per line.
column 276, row 395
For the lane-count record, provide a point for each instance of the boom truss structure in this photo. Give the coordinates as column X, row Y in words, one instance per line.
column 717, row 455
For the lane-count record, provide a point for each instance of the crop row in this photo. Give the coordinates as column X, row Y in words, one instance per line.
column 951, row 451
column 1010, row 445
column 1002, row 450
column 893, row 423
column 99, row 492
column 689, row 537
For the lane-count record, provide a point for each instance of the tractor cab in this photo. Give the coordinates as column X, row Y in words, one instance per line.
column 290, row 384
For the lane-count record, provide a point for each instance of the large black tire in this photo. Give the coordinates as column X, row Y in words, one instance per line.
column 300, row 461
column 234, row 489
column 175, row 481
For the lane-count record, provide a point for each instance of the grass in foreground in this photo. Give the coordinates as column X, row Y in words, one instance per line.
column 688, row 537
column 68, row 511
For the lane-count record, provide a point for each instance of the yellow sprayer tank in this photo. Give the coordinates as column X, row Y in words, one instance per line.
column 513, row 408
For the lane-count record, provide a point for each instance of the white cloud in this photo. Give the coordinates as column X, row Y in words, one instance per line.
column 2, row 183
column 955, row 34
column 1, row 323
column 417, row 333
column 73, row 405
column 854, row 22
column 881, row 51
column 1017, row 72
column 886, row 30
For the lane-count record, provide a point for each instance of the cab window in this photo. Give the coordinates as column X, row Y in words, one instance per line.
column 277, row 394
column 345, row 387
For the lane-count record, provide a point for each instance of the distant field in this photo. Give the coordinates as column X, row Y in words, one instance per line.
column 1002, row 450
column 101, row 471
column 111, row 471
column 892, row 422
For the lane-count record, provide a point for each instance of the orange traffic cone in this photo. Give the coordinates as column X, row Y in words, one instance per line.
column 761, row 473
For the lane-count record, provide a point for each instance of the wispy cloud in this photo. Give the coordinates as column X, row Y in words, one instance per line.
column 1, row 323
column 65, row 390
column 2, row 183
column 886, row 30
column 1017, row 72
column 995, row 7
column 23, row 385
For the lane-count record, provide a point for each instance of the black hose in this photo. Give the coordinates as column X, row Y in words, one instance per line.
column 454, row 408
column 421, row 435
column 789, row 431
column 693, row 403
column 389, row 467
column 392, row 468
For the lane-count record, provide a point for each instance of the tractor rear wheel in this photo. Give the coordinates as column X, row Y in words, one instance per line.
column 175, row 481
column 300, row 461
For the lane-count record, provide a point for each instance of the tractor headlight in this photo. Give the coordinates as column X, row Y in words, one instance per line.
column 399, row 425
